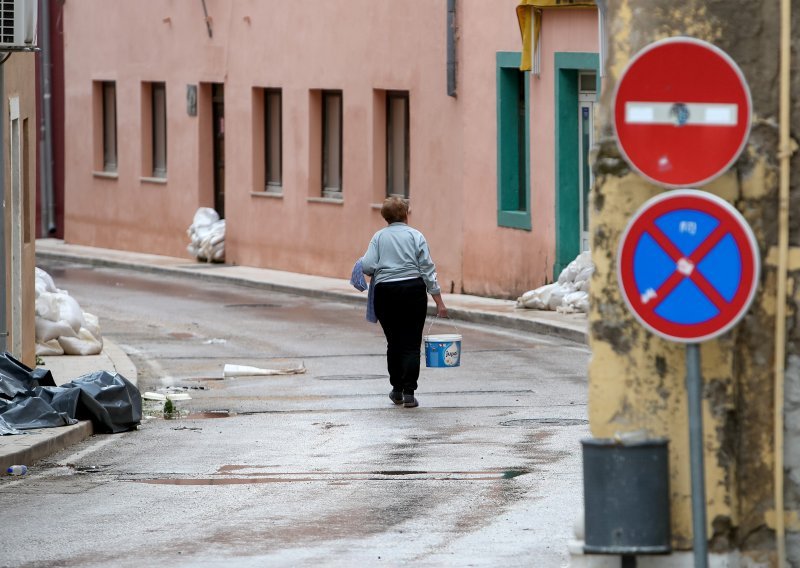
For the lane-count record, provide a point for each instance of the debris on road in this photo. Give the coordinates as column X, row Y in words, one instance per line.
column 246, row 371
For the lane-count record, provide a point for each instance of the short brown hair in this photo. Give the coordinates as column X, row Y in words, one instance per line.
column 395, row 210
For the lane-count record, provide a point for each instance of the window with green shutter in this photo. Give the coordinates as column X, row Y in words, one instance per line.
column 513, row 143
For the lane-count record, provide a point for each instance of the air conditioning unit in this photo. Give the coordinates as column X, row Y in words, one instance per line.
column 18, row 24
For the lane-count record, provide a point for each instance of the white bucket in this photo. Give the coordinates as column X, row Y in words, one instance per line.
column 443, row 350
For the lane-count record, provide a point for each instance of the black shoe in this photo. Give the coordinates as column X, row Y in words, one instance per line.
column 396, row 397
column 409, row 401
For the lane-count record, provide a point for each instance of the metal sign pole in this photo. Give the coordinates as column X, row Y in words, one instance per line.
column 694, row 387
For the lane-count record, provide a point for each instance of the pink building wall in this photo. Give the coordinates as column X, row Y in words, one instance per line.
column 360, row 47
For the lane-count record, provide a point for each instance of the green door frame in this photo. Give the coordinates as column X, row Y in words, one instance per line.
column 567, row 65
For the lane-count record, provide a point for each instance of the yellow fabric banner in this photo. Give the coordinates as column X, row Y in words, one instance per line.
column 529, row 15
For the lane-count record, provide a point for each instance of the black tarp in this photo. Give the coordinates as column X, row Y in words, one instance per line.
column 29, row 399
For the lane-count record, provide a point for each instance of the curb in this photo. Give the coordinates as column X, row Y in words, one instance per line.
column 50, row 441
column 526, row 325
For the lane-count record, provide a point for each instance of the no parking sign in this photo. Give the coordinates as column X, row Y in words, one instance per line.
column 688, row 265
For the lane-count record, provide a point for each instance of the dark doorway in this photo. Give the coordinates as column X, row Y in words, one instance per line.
column 218, row 125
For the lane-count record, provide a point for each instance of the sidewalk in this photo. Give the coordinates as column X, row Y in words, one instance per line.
column 36, row 444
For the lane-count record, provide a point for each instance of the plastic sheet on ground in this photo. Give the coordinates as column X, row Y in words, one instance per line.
column 207, row 236
column 570, row 294
column 29, row 399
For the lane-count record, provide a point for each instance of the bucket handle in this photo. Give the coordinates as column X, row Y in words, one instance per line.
column 437, row 318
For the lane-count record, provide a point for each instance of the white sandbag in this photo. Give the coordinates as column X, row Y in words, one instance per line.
column 557, row 297
column 47, row 330
column 70, row 311
column 584, row 260
column 44, row 279
column 574, row 279
column 584, row 274
column 92, row 323
column 205, row 216
column 569, row 273
column 537, row 299
column 207, row 235
column 46, row 305
column 84, row 344
column 52, row 347
column 60, row 324
column 575, row 302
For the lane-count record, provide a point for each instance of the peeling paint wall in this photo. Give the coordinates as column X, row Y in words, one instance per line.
column 637, row 380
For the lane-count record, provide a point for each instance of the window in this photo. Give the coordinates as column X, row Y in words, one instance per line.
column 332, row 144
column 587, row 82
column 397, row 145
column 272, row 140
column 513, row 162
column 109, row 126
column 159, row 129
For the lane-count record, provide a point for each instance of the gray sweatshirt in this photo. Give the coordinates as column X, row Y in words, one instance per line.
column 397, row 252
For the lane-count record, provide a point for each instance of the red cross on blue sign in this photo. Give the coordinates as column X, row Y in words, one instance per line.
column 688, row 265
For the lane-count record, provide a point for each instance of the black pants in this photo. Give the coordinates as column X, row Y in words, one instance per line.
column 401, row 308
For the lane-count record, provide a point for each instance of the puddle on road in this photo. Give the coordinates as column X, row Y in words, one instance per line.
column 532, row 422
column 335, row 477
column 208, row 414
column 181, row 335
column 261, row 305
column 352, row 377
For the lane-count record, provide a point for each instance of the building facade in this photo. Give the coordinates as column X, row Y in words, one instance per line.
column 294, row 121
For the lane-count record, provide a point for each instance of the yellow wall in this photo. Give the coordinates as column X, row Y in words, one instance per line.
column 637, row 380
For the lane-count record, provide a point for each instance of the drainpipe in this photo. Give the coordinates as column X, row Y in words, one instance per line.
column 208, row 20
column 3, row 312
column 48, row 206
column 784, row 155
column 451, row 48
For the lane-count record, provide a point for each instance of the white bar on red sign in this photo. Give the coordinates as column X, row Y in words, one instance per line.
column 680, row 114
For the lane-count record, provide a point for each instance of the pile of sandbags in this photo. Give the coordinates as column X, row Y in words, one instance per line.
column 207, row 236
column 570, row 294
column 61, row 326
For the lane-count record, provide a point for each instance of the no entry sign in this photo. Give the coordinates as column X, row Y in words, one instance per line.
column 682, row 112
column 688, row 265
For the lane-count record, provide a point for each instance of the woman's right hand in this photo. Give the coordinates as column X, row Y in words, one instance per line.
column 441, row 310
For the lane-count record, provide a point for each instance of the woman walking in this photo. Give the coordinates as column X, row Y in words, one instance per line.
column 403, row 274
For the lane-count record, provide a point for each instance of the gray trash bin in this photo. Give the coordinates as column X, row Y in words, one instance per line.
column 626, row 496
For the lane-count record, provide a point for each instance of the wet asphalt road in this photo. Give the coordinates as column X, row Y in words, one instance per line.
column 312, row 469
